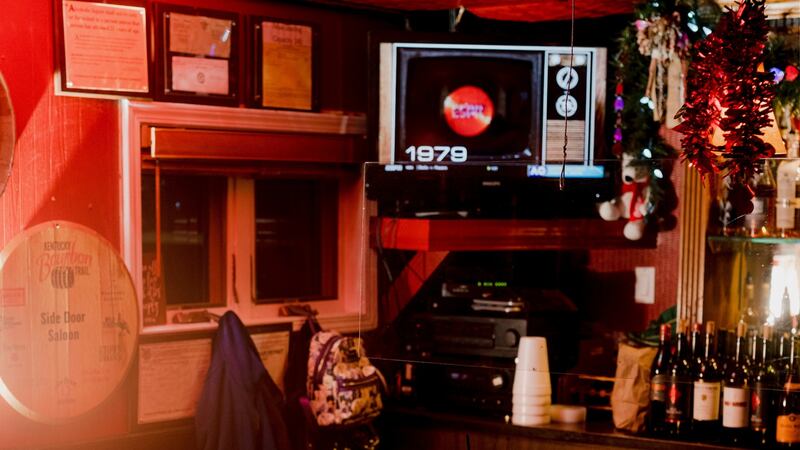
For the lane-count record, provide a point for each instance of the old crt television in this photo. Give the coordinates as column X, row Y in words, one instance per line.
column 454, row 103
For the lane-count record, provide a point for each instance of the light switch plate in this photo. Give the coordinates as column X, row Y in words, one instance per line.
column 645, row 285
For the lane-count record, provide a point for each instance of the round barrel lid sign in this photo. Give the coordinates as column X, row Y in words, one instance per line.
column 68, row 321
column 468, row 111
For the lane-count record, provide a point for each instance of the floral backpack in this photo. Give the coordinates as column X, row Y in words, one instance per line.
column 343, row 387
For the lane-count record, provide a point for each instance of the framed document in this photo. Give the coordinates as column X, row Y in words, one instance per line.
column 172, row 371
column 198, row 55
column 102, row 48
column 284, row 64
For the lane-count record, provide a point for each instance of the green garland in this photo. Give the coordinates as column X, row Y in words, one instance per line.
column 783, row 60
column 637, row 133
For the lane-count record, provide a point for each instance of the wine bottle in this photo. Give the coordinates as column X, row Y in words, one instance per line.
column 697, row 345
column 787, row 182
column 764, row 379
column 707, row 389
column 782, row 359
column 736, row 393
column 678, row 402
column 658, row 382
column 722, row 349
column 787, row 427
column 761, row 221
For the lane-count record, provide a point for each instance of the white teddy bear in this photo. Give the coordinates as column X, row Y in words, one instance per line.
column 632, row 202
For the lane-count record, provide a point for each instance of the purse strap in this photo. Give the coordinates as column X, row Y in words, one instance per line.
column 319, row 364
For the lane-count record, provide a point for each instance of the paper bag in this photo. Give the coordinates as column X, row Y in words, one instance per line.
column 631, row 394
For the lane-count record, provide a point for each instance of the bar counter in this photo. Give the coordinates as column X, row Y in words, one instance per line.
column 418, row 429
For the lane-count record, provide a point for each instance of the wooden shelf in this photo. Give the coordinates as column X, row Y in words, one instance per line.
column 501, row 234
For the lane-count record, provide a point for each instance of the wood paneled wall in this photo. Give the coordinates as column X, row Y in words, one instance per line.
column 67, row 161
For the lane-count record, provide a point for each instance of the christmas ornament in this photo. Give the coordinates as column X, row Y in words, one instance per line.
column 632, row 203
column 648, row 82
column 728, row 91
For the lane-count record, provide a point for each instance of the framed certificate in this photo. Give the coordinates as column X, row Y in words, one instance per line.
column 285, row 64
column 102, row 48
column 197, row 55
column 172, row 371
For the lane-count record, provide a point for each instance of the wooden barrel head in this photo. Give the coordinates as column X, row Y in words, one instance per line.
column 7, row 135
column 68, row 321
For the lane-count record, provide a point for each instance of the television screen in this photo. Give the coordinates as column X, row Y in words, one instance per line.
column 460, row 103
column 485, row 102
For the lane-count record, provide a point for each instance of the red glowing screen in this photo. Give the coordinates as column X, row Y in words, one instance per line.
column 468, row 111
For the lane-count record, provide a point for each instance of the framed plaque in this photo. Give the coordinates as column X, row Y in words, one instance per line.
column 284, row 64
column 70, row 321
column 172, row 371
column 102, row 48
column 198, row 55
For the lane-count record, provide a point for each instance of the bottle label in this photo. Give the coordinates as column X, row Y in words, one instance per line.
column 784, row 217
column 760, row 404
column 788, row 429
column 735, row 407
column 758, row 207
column 658, row 388
column 678, row 399
column 706, row 400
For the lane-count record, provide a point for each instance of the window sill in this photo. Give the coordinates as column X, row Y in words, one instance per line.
column 343, row 323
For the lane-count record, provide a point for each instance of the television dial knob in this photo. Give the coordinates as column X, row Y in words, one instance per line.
column 567, row 78
column 566, row 106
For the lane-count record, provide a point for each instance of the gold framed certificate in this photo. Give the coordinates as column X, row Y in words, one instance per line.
column 285, row 65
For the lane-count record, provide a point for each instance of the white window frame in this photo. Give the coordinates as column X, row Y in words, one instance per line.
column 354, row 309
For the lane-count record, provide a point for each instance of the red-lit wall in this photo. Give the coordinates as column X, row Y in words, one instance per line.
column 66, row 166
column 66, row 161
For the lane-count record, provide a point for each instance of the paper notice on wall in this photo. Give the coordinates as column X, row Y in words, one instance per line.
column 286, row 75
column 200, row 35
column 171, row 378
column 105, row 46
column 200, row 75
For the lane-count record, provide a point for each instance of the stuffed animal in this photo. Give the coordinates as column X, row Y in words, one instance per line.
column 632, row 202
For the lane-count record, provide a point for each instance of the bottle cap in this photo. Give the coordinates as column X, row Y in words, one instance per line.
column 741, row 329
column 680, row 325
column 766, row 331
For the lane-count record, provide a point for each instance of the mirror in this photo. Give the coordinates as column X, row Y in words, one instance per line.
column 7, row 136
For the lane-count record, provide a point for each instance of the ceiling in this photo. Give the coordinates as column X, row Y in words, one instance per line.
column 516, row 10
column 544, row 10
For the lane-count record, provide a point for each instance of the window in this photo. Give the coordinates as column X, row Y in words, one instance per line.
column 295, row 242
column 184, row 236
column 252, row 209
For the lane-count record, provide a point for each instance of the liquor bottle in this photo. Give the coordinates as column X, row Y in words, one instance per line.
column 736, row 393
column 658, row 383
column 787, row 427
column 678, row 402
column 788, row 180
column 764, row 379
column 761, row 221
column 707, row 389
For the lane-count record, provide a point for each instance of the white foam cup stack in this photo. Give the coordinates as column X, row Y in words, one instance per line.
column 532, row 355
column 531, row 396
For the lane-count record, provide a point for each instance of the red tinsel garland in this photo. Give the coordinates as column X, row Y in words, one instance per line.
column 724, row 77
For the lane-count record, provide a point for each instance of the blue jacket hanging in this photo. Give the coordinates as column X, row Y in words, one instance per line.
column 240, row 406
